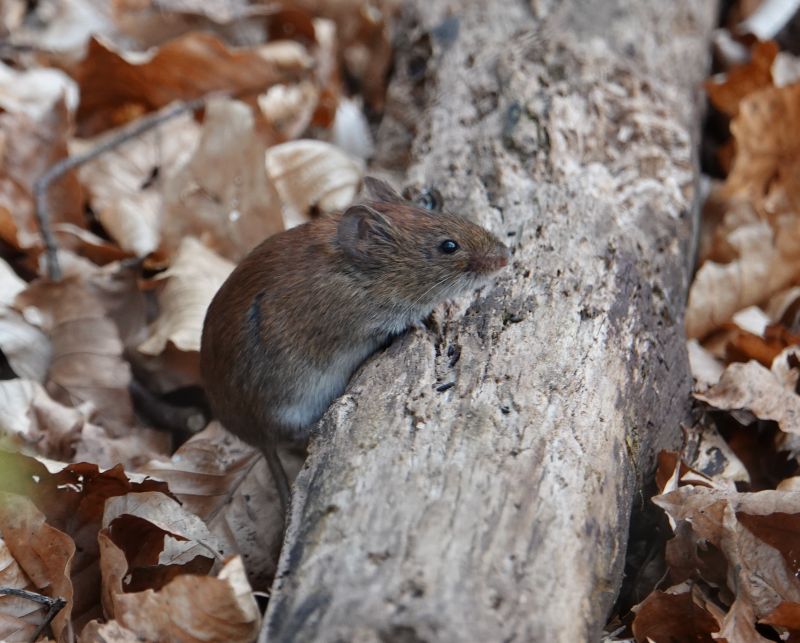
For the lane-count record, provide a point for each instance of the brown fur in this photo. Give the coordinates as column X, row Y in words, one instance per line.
column 307, row 306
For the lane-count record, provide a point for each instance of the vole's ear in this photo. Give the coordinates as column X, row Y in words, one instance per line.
column 359, row 227
column 382, row 191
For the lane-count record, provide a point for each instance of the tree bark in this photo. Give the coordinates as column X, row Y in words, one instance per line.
column 476, row 480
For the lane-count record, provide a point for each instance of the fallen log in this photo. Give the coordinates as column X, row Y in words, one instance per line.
column 475, row 482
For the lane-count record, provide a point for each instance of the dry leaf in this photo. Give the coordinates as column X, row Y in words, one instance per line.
column 785, row 615
column 35, row 92
column 42, row 552
column 312, row 174
column 61, row 27
column 289, row 108
column 769, row 394
column 191, row 282
column 111, row 632
column 351, row 132
column 31, row 419
column 743, row 346
column 35, row 114
column 743, row 80
column 19, row 421
column 116, row 85
column 186, row 535
column 88, row 245
column 86, row 365
column 168, row 371
column 26, row 348
column 27, row 148
column 73, row 500
column 222, row 194
column 706, row 451
column 10, row 284
column 194, row 608
column 126, row 184
column 226, row 482
column 363, row 31
column 95, row 444
column 768, row 145
column 719, row 290
column 142, row 24
column 785, row 69
column 674, row 615
column 706, row 369
column 19, row 617
column 730, row 521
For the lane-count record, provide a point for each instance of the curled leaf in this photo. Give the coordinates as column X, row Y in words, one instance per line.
column 222, row 194
column 312, row 174
column 191, row 282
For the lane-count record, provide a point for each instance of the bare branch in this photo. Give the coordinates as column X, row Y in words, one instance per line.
column 58, row 170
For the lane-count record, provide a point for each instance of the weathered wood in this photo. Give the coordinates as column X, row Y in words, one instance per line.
column 497, row 509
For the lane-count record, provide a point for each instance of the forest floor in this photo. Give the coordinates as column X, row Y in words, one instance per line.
column 116, row 493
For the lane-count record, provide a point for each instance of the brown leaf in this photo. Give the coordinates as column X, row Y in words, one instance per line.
column 222, row 194
column 35, row 115
column 43, row 553
column 365, row 40
column 719, row 290
column 113, row 569
column 150, row 546
column 33, row 419
column 26, row 348
column 226, row 483
column 706, row 369
column 744, row 346
column 785, row 615
column 312, row 174
column 768, row 146
column 114, row 85
column 194, row 608
column 743, row 80
column 186, row 536
column 706, row 451
column 758, row 573
column 87, row 364
column 740, row 623
column 126, row 184
column 10, row 284
column 73, row 500
column 19, row 617
column 289, row 108
column 27, row 148
column 767, row 394
column 673, row 472
column 668, row 616
column 87, row 244
column 111, row 632
column 778, row 530
column 61, row 28
column 191, row 282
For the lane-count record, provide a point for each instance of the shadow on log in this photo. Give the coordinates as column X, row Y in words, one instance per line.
column 475, row 482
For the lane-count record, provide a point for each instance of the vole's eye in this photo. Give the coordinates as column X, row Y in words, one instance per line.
column 448, row 246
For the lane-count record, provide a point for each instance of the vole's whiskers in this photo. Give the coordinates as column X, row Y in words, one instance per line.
column 448, row 279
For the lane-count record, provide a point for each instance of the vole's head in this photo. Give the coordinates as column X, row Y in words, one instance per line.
column 415, row 255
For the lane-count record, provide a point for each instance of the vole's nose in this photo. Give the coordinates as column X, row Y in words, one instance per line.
column 503, row 256
column 499, row 258
column 491, row 261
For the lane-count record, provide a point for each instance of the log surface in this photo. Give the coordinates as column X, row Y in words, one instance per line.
column 476, row 480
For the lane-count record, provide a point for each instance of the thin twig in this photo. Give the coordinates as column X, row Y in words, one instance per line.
column 54, row 606
column 56, row 171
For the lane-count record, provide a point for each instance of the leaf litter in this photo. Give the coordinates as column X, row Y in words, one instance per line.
column 118, row 493
column 731, row 498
